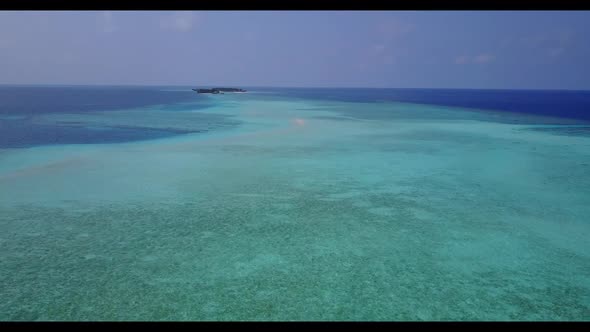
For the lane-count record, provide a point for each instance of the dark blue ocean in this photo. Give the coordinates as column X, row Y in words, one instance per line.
column 22, row 106
column 554, row 103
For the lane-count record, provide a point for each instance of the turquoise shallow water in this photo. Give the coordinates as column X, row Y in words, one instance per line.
column 299, row 209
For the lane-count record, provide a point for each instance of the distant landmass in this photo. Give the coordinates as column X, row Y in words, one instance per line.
column 219, row 90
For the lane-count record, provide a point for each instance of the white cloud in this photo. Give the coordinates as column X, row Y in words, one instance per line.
column 556, row 51
column 388, row 48
column 463, row 59
column 477, row 59
column 179, row 21
column 379, row 48
column 107, row 23
column 483, row 58
column 392, row 29
column 543, row 46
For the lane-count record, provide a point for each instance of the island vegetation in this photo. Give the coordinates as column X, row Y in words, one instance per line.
column 219, row 90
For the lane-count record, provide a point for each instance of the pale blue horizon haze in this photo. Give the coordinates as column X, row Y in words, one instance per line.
column 405, row 49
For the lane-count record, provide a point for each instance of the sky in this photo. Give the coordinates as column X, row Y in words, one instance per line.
column 397, row 49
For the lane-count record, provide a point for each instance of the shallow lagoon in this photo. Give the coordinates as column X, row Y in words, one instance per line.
column 299, row 209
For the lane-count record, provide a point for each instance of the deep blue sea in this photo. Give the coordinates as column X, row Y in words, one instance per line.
column 22, row 106
column 554, row 103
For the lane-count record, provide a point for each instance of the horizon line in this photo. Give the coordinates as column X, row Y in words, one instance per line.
column 288, row 87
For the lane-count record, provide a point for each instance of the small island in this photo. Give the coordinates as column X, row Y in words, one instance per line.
column 219, row 90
